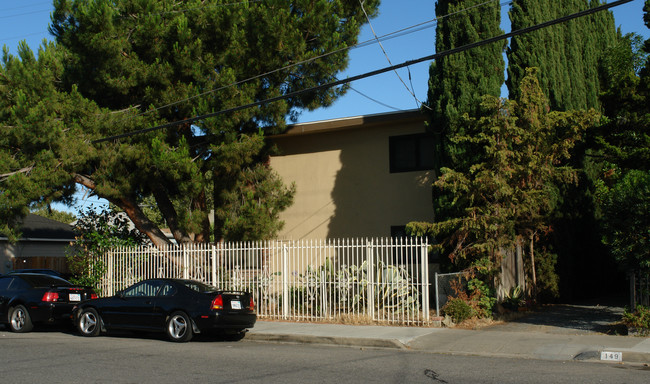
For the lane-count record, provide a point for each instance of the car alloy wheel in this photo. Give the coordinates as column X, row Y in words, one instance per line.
column 89, row 322
column 179, row 327
column 19, row 320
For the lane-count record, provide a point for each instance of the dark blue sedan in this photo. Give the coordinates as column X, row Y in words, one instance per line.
column 178, row 307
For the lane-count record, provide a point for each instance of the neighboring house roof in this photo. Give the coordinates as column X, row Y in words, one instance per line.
column 354, row 122
column 34, row 227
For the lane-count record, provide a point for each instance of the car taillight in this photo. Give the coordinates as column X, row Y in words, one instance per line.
column 217, row 303
column 252, row 304
column 50, row 297
column 93, row 296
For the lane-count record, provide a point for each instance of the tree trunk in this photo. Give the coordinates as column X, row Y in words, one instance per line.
column 169, row 213
column 139, row 219
column 201, row 205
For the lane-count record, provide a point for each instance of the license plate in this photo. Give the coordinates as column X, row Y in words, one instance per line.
column 74, row 297
column 235, row 304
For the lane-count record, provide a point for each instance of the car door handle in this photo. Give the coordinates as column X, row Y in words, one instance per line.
column 148, row 302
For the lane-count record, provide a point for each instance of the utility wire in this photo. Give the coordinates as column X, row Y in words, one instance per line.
column 372, row 29
column 375, row 100
column 376, row 72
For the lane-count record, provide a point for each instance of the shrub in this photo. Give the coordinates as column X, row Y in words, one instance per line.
column 482, row 298
column 459, row 310
column 639, row 318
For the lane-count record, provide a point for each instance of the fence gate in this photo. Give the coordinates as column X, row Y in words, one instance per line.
column 381, row 280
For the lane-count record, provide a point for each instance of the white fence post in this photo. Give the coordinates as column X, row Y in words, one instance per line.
column 425, row 280
column 285, row 281
column 111, row 274
column 371, row 279
column 214, row 265
column 186, row 264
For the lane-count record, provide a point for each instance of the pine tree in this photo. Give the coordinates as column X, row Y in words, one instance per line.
column 134, row 64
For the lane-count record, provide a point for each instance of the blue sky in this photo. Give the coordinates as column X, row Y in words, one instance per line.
column 28, row 20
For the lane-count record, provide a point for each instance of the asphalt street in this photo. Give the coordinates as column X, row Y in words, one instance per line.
column 55, row 356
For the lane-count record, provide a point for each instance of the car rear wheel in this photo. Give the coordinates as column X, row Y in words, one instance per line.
column 89, row 323
column 179, row 327
column 19, row 319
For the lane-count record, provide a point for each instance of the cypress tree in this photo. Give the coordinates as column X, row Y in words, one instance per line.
column 457, row 82
column 567, row 54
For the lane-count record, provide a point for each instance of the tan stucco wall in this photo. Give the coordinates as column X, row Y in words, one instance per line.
column 344, row 187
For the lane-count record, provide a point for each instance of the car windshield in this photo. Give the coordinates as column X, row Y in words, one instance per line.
column 198, row 286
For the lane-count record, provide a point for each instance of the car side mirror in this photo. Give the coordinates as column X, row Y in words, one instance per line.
column 119, row 294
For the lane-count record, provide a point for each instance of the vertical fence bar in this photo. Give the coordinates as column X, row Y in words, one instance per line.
column 285, row 282
column 425, row 279
column 213, row 260
column 371, row 279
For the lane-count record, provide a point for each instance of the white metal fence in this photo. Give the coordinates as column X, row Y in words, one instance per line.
column 379, row 280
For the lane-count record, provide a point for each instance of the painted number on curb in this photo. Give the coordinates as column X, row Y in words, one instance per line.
column 611, row 356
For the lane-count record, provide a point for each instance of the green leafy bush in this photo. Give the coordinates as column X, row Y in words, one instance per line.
column 95, row 232
column 639, row 318
column 482, row 297
column 459, row 310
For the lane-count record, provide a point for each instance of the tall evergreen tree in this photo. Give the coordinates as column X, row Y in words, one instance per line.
column 509, row 191
column 458, row 82
column 135, row 64
column 624, row 144
column 567, row 54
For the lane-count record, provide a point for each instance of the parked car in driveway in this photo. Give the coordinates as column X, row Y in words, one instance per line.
column 178, row 307
column 31, row 298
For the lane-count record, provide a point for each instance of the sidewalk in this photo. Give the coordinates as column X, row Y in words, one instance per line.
column 511, row 342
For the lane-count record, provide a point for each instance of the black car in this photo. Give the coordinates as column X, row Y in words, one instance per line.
column 178, row 307
column 50, row 272
column 30, row 298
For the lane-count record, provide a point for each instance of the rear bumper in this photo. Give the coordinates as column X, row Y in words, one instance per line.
column 219, row 320
column 50, row 312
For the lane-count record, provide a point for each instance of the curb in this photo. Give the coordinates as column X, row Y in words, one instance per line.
column 626, row 357
column 328, row 340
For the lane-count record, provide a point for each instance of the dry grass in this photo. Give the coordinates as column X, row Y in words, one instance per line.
column 350, row 319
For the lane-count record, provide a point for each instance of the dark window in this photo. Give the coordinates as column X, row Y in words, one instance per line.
column 167, row 290
column 4, row 283
column 411, row 153
column 198, row 286
column 146, row 289
column 19, row 284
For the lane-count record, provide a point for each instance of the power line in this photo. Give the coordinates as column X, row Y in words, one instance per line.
column 376, row 72
column 375, row 100
column 418, row 102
